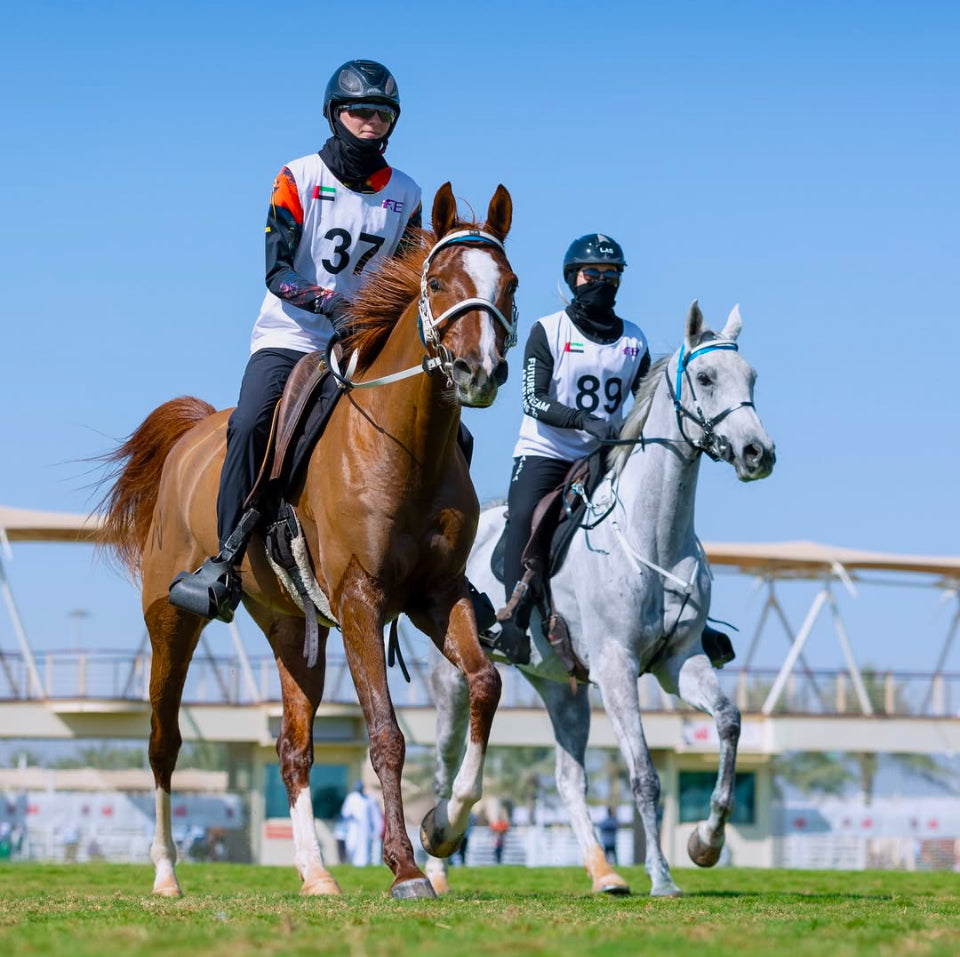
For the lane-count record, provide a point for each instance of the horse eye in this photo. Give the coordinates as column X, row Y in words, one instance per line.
column 434, row 285
column 703, row 378
column 512, row 287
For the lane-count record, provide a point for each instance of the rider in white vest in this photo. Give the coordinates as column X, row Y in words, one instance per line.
column 334, row 215
column 579, row 367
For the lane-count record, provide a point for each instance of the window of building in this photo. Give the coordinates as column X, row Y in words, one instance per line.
column 697, row 786
column 329, row 784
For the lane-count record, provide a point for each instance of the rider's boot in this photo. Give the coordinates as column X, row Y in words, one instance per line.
column 214, row 589
column 717, row 647
column 483, row 609
column 513, row 641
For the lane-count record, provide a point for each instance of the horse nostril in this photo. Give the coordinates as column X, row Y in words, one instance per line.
column 462, row 370
column 501, row 372
column 752, row 454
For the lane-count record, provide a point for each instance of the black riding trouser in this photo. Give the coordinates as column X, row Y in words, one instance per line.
column 249, row 429
column 533, row 476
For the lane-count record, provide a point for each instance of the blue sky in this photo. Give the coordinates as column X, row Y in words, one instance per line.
column 797, row 158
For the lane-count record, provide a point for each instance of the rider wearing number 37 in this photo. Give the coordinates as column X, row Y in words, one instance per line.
column 578, row 368
column 333, row 215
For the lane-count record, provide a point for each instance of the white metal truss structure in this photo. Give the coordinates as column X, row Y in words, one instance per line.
column 771, row 564
column 34, row 526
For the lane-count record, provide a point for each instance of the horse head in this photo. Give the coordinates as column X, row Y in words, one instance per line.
column 467, row 308
column 712, row 389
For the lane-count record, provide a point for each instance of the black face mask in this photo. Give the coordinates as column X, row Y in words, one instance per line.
column 592, row 311
column 596, row 297
column 351, row 159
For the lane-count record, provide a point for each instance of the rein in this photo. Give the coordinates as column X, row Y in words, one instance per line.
column 428, row 326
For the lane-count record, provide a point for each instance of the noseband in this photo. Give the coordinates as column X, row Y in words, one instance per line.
column 429, row 326
column 714, row 445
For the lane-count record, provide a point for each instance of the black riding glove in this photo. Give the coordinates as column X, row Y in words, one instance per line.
column 334, row 307
column 600, row 429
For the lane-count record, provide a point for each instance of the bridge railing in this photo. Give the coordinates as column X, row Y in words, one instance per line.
column 222, row 679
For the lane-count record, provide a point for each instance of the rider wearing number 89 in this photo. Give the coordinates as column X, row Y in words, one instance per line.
column 578, row 367
column 333, row 215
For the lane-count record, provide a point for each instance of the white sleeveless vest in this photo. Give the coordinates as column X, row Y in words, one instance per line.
column 344, row 235
column 587, row 375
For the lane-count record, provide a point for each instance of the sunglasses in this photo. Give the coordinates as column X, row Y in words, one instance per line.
column 607, row 275
column 368, row 113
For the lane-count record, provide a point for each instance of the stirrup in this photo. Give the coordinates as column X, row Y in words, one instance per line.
column 511, row 643
column 212, row 591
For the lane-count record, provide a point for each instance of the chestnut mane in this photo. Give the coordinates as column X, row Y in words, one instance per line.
column 382, row 300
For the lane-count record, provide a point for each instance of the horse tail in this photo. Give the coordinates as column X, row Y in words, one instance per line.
column 135, row 468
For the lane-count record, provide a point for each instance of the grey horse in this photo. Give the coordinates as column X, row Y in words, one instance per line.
column 635, row 592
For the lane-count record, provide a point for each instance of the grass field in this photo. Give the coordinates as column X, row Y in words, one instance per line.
column 103, row 910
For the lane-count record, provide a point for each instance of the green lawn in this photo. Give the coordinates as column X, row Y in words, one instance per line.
column 104, row 910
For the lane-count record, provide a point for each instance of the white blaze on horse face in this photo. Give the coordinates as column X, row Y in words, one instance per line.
column 481, row 267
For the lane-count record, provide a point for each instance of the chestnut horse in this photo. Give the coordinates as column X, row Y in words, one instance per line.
column 388, row 513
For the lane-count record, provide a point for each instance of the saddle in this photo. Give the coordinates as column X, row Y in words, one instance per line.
column 308, row 399
column 556, row 518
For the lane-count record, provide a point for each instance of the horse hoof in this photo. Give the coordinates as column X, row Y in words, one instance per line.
column 701, row 853
column 432, row 838
column 614, row 889
column 666, row 890
column 439, row 883
column 419, row 887
column 323, row 886
column 168, row 889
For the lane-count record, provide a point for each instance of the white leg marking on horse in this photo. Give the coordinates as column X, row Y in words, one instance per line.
column 163, row 851
column 307, row 855
column 467, row 788
column 481, row 267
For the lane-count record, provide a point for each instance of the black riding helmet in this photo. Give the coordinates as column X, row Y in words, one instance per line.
column 594, row 249
column 361, row 83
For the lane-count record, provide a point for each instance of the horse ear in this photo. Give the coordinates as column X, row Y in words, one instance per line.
column 500, row 213
column 444, row 211
column 694, row 325
column 734, row 323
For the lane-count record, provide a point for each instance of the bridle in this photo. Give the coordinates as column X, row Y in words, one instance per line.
column 715, row 446
column 428, row 326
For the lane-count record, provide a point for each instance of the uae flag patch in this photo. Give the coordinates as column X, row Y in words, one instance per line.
column 325, row 192
column 576, row 347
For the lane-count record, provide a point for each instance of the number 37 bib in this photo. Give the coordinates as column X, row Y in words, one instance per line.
column 591, row 376
column 344, row 235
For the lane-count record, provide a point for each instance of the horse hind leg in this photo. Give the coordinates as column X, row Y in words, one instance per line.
column 173, row 635
column 301, row 691
column 569, row 712
column 697, row 684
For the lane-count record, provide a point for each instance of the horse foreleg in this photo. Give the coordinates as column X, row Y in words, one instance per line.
column 569, row 712
column 454, row 630
column 361, row 620
column 616, row 675
column 451, row 700
column 698, row 686
column 173, row 636
column 301, row 690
